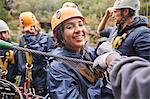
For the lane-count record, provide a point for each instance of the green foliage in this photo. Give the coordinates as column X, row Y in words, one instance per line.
column 4, row 14
column 145, row 9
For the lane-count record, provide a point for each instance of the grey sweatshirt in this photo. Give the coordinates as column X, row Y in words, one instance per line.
column 130, row 78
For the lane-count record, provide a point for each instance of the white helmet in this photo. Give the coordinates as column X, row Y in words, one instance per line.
column 3, row 26
column 132, row 4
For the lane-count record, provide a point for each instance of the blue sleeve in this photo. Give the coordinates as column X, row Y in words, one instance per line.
column 64, row 84
column 142, row 43
column 94, row 92
column 61, row 84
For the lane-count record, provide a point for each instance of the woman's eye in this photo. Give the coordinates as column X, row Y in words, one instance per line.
column 69, row 27
column 80, row 24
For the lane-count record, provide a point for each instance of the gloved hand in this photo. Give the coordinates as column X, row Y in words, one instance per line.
column 104, row 48
column 100, row 62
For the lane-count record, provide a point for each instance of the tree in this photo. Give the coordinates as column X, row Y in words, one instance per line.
column 4, row 14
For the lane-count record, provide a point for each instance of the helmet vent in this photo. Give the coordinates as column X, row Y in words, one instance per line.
column 58, row 14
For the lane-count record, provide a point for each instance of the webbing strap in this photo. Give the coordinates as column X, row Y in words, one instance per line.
column 82, row 69
column 29, row 75
column 29, row 58
column 118, row 40
column 29, row 65
column 1, row 63
column 9, row 58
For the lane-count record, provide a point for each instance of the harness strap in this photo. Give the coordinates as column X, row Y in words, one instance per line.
column 1, row 63
column 83, row 70
column 117, row 41
column 9, row 58
column 28, row 57
column 29, row 65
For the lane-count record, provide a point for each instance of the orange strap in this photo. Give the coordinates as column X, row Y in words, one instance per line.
column 29, row 65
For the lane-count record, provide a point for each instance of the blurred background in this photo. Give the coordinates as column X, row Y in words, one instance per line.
column 93, row 10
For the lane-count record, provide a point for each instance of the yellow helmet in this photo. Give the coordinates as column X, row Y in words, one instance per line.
column 27, row 19
column 63, row 14
column 69, row 4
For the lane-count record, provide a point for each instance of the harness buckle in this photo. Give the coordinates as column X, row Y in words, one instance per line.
column 28, row 66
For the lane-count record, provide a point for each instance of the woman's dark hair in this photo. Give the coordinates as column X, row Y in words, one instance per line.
column 58, row 33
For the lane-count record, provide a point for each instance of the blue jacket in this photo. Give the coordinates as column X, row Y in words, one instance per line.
column 41, row 42
column 137, row 42
column 65, row 82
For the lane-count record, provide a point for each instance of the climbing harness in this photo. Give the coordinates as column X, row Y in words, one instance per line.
column 8, row 58
column 28, row 79
column 117, row 41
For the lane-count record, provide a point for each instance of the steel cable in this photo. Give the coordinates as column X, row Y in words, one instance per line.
column 52, row 55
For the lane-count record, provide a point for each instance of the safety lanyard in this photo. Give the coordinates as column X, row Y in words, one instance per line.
column 29, row 65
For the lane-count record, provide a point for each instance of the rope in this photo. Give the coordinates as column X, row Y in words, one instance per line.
column 51, row 55
column 6, row 84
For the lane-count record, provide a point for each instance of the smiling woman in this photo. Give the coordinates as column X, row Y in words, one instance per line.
column 68, row 79
column 59, row 17
column 74, row 34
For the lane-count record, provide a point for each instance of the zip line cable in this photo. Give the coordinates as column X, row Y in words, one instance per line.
column 51, row 55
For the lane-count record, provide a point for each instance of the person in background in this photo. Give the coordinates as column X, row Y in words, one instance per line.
column 73, row 80
column 129, row 76
column 130, row 36
column 8, row 57
column 33, row 67
column 101, row 27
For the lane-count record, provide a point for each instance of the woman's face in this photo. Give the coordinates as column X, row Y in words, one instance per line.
column 74, row 34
